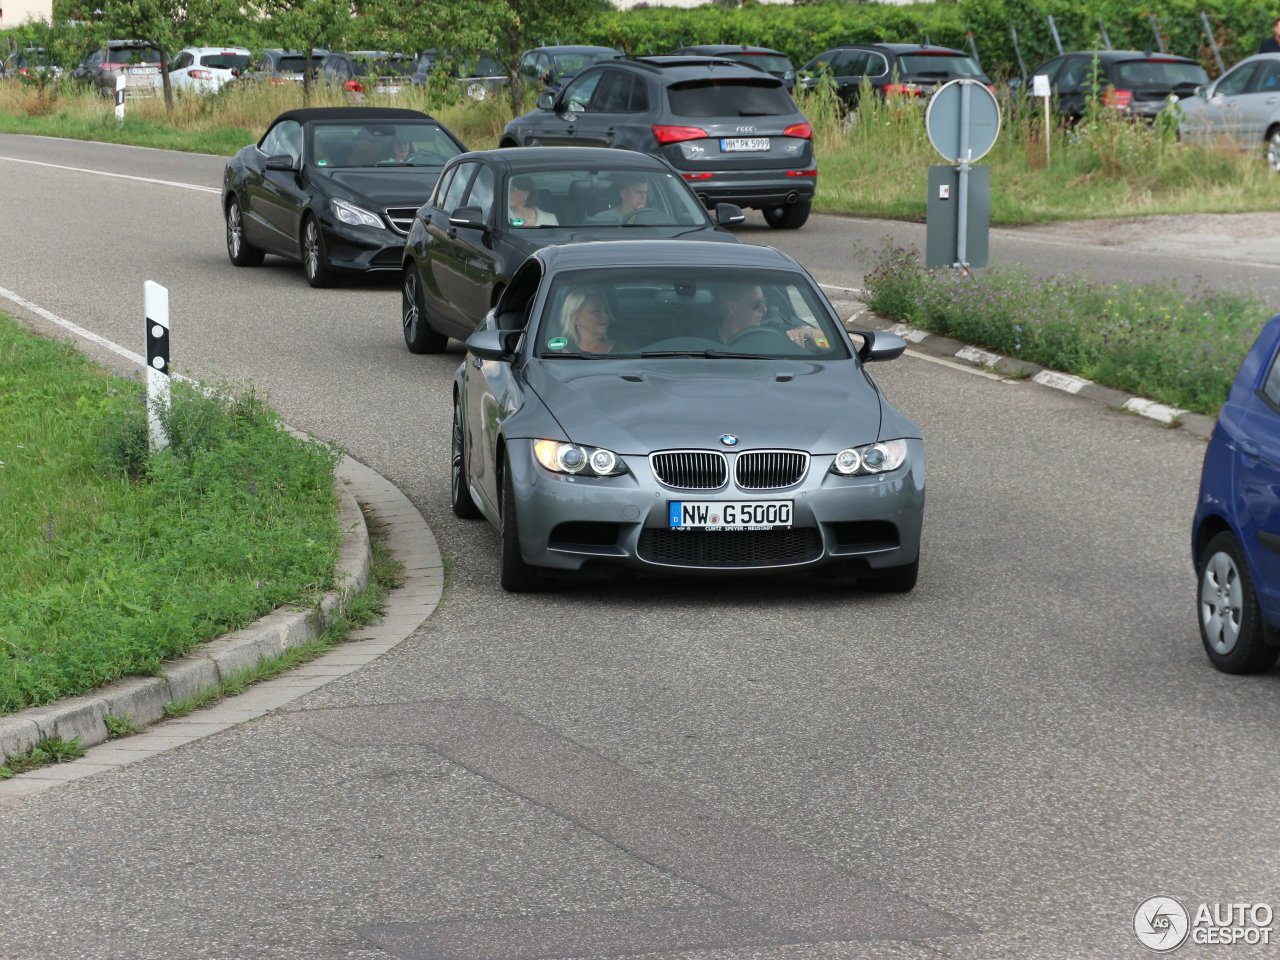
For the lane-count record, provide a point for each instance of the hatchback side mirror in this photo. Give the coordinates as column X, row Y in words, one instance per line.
column 489, row 344
column 729, row 214
column 469, row 217
column 546, row 101
column 880, row 345
column 282, row 161
column 1202, row 91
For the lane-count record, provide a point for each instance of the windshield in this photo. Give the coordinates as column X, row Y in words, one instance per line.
column 935, row 65
column 373, row 144
column 482, row 66
column 601, row 198
column 687, row 312
column 1164, row 74
column 730, row 98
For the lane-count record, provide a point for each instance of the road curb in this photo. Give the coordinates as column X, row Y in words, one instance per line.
column 857, row 315
column 408, row 539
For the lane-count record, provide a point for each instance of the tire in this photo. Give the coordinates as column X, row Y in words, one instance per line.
column 894, row 579
column 790, row 217
column 418, row 335
column 1231, row 626
column 240, row 250
column 1273, row 148
column 314, row 261
column 463, row 506
column 517, row 576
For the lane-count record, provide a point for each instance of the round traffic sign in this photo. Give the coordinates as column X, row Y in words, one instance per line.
column 950, row 123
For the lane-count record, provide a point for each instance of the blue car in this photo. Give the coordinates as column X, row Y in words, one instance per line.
column 1235, row 539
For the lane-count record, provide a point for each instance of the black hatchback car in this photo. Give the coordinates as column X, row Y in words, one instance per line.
column 891, row 69
column 732, row 132
column 762, row 58
column 492, row 208
column 1129, row 81
column 334, row 187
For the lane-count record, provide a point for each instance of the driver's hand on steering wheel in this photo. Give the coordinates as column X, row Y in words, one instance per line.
column 808, row 338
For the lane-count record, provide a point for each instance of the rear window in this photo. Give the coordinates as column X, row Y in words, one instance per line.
column 1158, row 73
column 573, row 62
column 133, row 55
column 225, row 61
column 396, row 67
column 764, row 61
column 730, row 98
column 937, row 65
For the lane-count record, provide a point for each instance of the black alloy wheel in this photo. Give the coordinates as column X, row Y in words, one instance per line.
column 418, row 335
column 314, row 263
column 464, row 507
column 240, row 250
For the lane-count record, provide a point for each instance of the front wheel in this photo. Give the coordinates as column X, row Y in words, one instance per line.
column 314, row 263
column 790, row 217
column 240, row 250
column 517, row 576
column 1231, row 626
column 418, row 335
column 1273, row 149
column 463, row 506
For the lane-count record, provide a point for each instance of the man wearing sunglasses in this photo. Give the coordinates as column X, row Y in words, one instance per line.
column 744, row 306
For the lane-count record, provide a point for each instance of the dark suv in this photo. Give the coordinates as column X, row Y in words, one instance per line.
column 138, row 61
column 367, row 71
column 732, row 132
column 287, row 66
column 891, row 69
column 1126, row 80
column 762, row 58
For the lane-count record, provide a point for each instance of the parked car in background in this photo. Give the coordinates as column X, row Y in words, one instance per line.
column 911, row 70
column 725, row 425
column 479, row 75
column 30, row 63
column 762, row 58
column 138, row 61
column 287, row 66
column 1235, row 536
column 732, row 132
column 550, row 67
column 1131, row 82
column 207, row 69
column 1243, row 105
column 335, row 187
column 492, row 208
column 367, row 71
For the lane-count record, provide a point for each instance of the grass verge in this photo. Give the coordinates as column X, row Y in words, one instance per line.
column 115, row 558
column 1158, row 341
column 874, row 164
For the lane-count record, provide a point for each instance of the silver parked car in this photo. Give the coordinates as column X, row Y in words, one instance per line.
column 1243, row 105
column 682, row 407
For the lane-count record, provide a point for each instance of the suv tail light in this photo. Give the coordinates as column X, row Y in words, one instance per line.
column 665, row 134
column 903, row 90
column 1120, row 99
column 353, row 86
column 802, row 130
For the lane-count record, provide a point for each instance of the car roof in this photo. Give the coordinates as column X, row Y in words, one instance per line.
column 693, row 67
column 313, row 114
column 608, row 254
column 1110, row 55
column 901, row 48
column 720, row 49
column 572, row 48
column 540, row 158
column 227, row 49
column 280, row 51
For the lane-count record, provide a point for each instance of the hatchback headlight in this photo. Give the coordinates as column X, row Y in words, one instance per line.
column 357, row 216
column 573, row 458
column 880, row 457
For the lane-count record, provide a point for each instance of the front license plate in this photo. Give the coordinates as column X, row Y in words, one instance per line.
column 728, row 514
column 743, row 144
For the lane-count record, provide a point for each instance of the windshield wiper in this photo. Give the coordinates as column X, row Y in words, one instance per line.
column 706, row 355
column 755, row 113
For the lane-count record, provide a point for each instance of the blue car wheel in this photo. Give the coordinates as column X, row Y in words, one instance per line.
column 1231, row 624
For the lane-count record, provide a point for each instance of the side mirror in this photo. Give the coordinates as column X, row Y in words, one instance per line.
column 1202, row 91
column 470, row 217
column 880, row 345
column 546, row 101
column 729, row 214
column 489, row 344
column 282, row 161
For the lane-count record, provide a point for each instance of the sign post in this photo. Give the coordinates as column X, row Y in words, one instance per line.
column 963, row 121
column 156, row 307
column 1040, row 88
column 120, row 98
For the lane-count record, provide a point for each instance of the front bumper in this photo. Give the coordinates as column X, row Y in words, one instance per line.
column 862, row 523
column 361, row 249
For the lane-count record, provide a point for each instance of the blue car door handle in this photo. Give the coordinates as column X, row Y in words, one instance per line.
column 1249, row 447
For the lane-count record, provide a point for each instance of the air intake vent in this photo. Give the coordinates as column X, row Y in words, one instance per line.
column 401, row 219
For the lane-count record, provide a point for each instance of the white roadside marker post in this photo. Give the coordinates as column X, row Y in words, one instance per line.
column 156, row 304
column 120, row 98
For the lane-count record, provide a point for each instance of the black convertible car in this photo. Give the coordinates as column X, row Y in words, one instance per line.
column 492, row 208
column 334, row 187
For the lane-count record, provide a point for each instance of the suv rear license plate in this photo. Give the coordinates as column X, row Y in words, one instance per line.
column 743, row 144
column 143, row 71
column 728, row 514
column 386, row 88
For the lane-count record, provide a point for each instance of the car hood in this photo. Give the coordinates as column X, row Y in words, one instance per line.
column 394, row 187
column 638, row 406
column 527, row 241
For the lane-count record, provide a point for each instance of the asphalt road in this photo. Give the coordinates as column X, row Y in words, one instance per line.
column 1002, row 764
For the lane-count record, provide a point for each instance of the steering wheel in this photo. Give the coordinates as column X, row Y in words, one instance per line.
column 769, row 340
column 643, row 216
column 422, row 156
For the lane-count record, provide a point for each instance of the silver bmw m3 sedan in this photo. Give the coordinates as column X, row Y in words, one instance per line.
column 683, row 407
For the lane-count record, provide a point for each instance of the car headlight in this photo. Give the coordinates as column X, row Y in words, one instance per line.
column 357, row 216
column 880, row 457
column 560, row 457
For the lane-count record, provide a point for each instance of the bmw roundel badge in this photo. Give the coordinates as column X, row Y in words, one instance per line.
column 728, row 439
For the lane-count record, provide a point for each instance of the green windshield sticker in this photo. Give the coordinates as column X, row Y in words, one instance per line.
column 557, row 343
column 517, row 221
